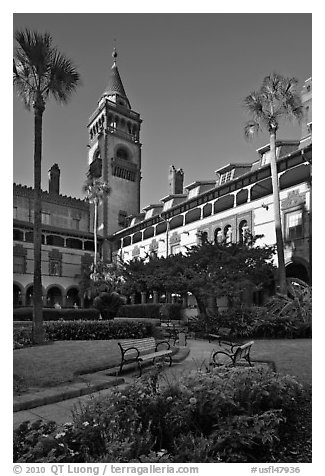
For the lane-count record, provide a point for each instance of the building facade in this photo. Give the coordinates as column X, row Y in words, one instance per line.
column 236, row 199
column 67, row 244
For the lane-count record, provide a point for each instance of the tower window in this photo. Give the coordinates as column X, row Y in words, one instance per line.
column 122, row 153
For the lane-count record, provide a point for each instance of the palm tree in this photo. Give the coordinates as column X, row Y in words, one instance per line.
column 96, row 190
column 276, row 101
column 40, row 71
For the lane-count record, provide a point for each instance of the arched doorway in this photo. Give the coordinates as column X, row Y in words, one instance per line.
column 299, row 270
column 54, row 296
column 17, row 296
column 72, row 298
column 242, row 231
column 218, row 235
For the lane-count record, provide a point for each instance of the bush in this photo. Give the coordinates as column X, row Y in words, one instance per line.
column 227, row 415
column 252, row 322
column 22, row 337
column 84, row 330
column 100, row 330
column 26, row 314
column 152, row 311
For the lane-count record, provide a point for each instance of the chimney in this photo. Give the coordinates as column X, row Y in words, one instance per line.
column 54, row 179
column 175, row 181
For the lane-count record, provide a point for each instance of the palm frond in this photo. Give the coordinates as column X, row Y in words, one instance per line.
column 40, row 70
column 95, row 190
column 277, row 99
column 251, row 129
column 64, row 77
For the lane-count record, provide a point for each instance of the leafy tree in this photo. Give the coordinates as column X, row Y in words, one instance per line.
column 277, row 100
column 218, row 269
column 40, row 71
column 96, row 190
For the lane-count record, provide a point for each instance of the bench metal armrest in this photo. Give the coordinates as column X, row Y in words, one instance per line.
column 162, row 342
column 231, row 356
column 124, row 351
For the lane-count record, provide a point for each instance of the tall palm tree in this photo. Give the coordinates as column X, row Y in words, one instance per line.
column 40, row 71
column 277, row 100
column 96, row 190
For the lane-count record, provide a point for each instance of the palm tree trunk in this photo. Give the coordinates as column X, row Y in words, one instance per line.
column 38, row 332
column 95, row 234
column 277, row 215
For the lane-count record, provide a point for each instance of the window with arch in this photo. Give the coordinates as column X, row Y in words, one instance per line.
column 203, row 237
column 243, row 231
column 122, row 153
column 218, row 237
column 227, row 233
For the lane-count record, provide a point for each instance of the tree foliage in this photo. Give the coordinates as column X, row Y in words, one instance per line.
column 219, row 269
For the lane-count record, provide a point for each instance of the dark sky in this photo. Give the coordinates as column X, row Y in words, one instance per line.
column 186, row 74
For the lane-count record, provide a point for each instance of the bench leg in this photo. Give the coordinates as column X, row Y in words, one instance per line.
column 121, row 366
column 140, row 368
column 249, row 360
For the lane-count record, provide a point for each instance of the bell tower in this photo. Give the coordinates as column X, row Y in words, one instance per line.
column 114, row 153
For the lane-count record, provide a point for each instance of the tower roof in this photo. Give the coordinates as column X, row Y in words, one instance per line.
column 115, row 86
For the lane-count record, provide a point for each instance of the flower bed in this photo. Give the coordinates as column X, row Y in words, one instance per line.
column 229, row 415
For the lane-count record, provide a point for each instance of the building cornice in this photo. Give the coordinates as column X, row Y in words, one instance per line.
column 167, row 214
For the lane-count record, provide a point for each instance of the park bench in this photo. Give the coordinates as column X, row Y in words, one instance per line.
column 224, row 337
column 142, row 350
column 237, row 353
column 171, row 330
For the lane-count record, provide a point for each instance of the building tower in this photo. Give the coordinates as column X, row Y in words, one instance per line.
column 114, row 155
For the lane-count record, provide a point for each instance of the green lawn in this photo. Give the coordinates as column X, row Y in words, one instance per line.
column 60, row 362
column 291, row 356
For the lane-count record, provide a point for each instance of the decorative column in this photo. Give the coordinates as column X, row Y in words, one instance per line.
column 143, row 297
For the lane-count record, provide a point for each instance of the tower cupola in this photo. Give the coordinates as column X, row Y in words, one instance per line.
column 114, row 90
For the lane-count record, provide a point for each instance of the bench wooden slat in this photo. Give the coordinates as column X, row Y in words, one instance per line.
column 141, row 350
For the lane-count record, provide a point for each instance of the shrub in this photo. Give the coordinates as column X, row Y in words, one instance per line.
column 84, row 330
column 92, row 330
column 153, row 311
column 252, row 322
column 22, row 337
column 227, row 415
column 26, row 314
column 281, row 327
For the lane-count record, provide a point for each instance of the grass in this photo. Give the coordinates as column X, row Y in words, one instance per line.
column 291, row 356
column 59, row 362
column 62, row 361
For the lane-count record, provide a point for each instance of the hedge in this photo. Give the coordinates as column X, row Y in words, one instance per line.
column 26, row 314
column 153, row 311
column 85, row 330
column 250, row 323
